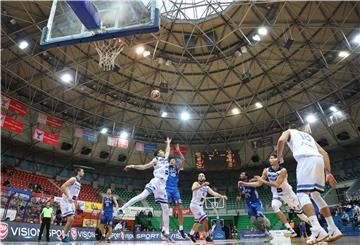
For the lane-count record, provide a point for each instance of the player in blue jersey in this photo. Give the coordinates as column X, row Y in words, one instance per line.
column 254, row 205
column 107, row 215
column 172, row 190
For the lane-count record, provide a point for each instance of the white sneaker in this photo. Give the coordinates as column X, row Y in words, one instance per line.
column 317, row 236
column 118, row 227
column 334, row 235
column 290, row 233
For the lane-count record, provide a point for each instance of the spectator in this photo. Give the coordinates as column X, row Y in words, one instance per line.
column 303, row 233
column 226, row 230
column 345, row 218
column 58, row 217
column 292, row 224
column 150, row 215
column 7, row 183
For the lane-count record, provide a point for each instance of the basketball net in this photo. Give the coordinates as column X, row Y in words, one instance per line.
column 108, row 50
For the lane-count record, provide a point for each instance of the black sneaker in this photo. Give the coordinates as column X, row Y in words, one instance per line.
column 167, row 237
column 183, row 235
column 192, row 238
column 208, row 239
column 108, row 240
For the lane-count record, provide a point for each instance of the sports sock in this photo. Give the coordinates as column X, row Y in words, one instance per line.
column 287, row 225
column 330, row 222
column 314, row 222
column 181, row 227
column 192, row 232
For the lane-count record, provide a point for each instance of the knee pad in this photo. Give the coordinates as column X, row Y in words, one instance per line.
column 304, row 198
column 276, row 204
column 320, row 202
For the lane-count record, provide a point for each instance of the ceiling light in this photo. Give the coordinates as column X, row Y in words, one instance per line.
column 237, row 53
column 140, row 50
column 104, row 130
column 185, row 115
column 256, row 37
column 235, row 111
column 333, row 109
column 243, row 49
column 124, row 135
column 311, row 118
column 344, row 54
column 258, row 105
column 357, row 39
column 262, row 31
column 164, row 114
column 23, row 44
column 146, row 53
column 168, row 62
column 66, row 77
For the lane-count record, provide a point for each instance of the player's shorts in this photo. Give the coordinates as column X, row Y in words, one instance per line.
column 310, row 174
column 67, row 208
column 255, row 209
column 173, row 196
column 107, row 218
column 290, row 199
column 157, row 186
column 198, row 212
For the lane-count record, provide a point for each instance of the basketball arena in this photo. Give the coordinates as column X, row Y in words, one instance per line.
column 180, row 122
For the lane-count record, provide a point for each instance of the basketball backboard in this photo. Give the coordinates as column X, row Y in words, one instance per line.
column 73, row 22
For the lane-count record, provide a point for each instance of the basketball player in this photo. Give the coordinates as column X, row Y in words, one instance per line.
column 282, row 192
column 71, row 189
column 156, row 186
column 254, row 205
column 200, row 188
column 172, row 189
column 107, row 217
column 312, row 163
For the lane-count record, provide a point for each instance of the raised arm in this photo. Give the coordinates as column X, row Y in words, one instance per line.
column 278, row 182
column 141, row 167
column 167, row 149
column 182, row 162
column 256, row 183
column 64, row 188
column 116, row 203
column 197, row 186
column 285, row 137
column 329, row 177
column 215, row 194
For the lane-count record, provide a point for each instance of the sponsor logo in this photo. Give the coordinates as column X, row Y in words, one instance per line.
column 3, row 230
column 86, row 234
column 73, row 233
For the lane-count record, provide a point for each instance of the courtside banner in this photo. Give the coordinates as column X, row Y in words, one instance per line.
column 25, row 232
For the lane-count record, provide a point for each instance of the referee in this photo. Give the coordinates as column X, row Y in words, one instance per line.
column 46, row 217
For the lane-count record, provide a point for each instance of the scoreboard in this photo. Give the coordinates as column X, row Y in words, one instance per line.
column 216, row 159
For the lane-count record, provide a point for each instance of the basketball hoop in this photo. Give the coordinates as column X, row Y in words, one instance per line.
column 108, row 50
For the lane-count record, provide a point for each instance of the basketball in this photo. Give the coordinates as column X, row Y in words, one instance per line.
column 155, row 94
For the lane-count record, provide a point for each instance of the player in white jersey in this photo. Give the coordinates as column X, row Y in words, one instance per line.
column 282, row 192
column 200, row 189
column 157, row 185
column 71, row 189
column 312, row 164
